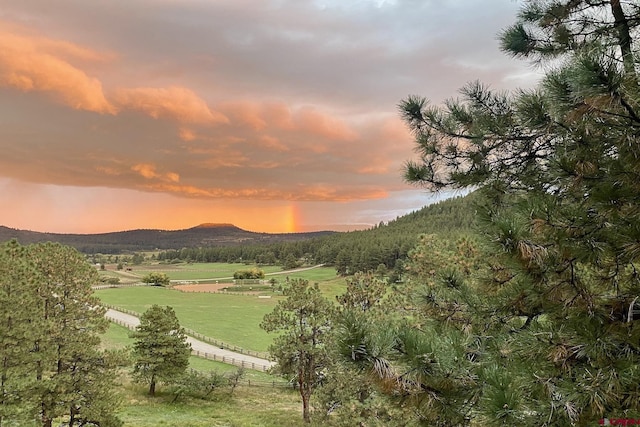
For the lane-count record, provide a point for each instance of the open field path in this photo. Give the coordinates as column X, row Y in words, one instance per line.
column 200, row 348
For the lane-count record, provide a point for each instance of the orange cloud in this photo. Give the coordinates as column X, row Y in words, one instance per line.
column 272, row 143
column 311, row 120
column 328, row 192
column 279, row 115
column 187, row 135
column 260, row 116
column 247, row 113
column 36, row 64
column 108, row 170
column 175, row 102
column 149, row 171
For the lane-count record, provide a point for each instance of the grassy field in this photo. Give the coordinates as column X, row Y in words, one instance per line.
column 260, row 400
column 233, row 319
column 248, row 407
column 218, row 271
column 117, row 337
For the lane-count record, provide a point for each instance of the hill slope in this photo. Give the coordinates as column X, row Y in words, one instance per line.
column 384, row 245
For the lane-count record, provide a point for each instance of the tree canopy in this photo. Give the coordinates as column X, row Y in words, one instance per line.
column 303, row 320
column 544, row 329
column 160, row 351
column 50, row 363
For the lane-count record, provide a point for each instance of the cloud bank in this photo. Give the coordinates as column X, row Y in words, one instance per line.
column 233, row 101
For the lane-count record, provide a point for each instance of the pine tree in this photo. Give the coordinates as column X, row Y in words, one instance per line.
column 18, row 330
column 73, row 319
column 161, row 351
column 303, row 320
column 559, row 169
column 360, row 342
column 50, row 324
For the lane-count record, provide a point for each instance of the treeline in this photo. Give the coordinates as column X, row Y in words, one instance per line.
column 123, row 242
column 384, row 246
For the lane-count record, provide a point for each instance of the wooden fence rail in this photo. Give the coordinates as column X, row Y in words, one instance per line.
column 211, row 356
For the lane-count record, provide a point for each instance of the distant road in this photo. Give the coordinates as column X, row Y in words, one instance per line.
column 295, row 270
column 200, row 348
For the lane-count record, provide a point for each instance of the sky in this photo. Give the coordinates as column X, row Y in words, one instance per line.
column 272, row 115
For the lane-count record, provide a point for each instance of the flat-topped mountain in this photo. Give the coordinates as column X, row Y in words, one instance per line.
column 208, row 234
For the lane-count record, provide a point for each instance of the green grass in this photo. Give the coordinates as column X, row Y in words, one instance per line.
column 319, row 274
column 199, row 271
column 217, row 271
column 249, row 406
column 332, row 288
column 117, row 337
column 260, row 400
column 233, row 319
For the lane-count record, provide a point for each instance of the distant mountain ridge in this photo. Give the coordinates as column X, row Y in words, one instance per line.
column 207, row 234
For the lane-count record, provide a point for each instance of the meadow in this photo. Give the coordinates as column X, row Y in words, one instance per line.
column 206, row 272
column 262, row 399
column 231, row 318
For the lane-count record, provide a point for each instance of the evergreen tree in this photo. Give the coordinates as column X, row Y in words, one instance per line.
column 18, row 330
column 50, row 336
column 360, row 342
column 556, row 318
column 161, row 351
column 303, row 320
column 73, row 319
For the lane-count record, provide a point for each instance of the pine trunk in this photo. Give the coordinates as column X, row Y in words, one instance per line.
column 152, row 387
column 306, row 415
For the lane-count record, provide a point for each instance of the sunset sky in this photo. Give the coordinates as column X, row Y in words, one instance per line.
column 273, row 115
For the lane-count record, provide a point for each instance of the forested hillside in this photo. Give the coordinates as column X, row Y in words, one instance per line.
column 384, row 246
column 146, row 240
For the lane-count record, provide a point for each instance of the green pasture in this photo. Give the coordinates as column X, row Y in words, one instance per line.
column 117, row 337
column 319, row 274
column 233, row 319
column 260, row 400
column 222, row 271
column 249, row 406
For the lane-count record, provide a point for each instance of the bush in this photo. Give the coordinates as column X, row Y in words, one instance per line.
column 198, row 384
column 156, row 279
column 254, row 273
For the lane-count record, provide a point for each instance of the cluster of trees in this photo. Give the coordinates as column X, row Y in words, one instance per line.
column 536, row 322
column 51, row 367
column 156, row 279
column 323, row 348
column 557, row 338
column 254, row 273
